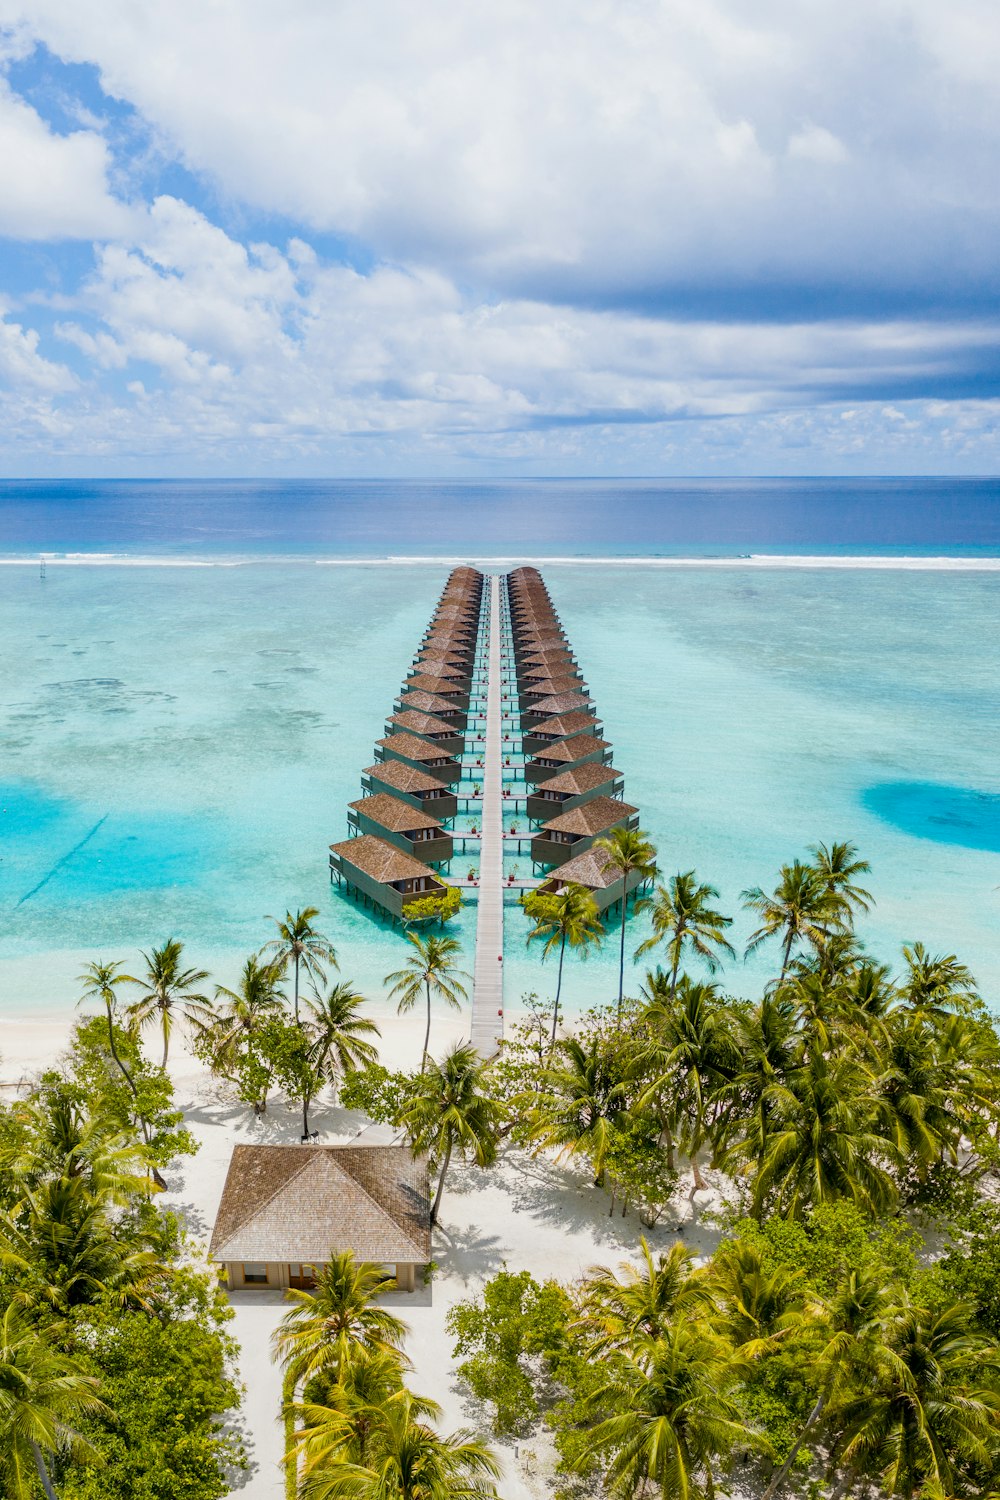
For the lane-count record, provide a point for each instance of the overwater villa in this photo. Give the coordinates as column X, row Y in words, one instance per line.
column 538, row 709
column 401, row 824
column 451, row 691
column 383, row 874
column 592, row 870
column 562, row 726
column 571, row 832
column 286, row 1210
column 422, row 702
column 412, row 785
column 419, row 752
column 577, row 750
column 428, row 727
column 568, row 789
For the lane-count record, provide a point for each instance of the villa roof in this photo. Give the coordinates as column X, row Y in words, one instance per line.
column 304, row 1203
column 559, row 703
column 380, row 859
column 552, row 680
column 396, row 773
column 390, row 812
column 574, row 748
column 409, row 746
column 426, row 703
column 564, row 724
column 593, row 817
column 591, row 868
column 582, row 778
column 421, row 723
column 549, row 656
column 440, row 663
column 422, row 682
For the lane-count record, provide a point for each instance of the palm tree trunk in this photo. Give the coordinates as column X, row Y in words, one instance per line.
column 114, row 1053
column 43, row 1472
column 674, row 972
column 785, row 956
column 555, row 1013
column 166, row 1040
column 427, row 1030
column 783, row 1472
column 435, row 1210
column 621, row 955
column 296, row 989
column 305, row 1115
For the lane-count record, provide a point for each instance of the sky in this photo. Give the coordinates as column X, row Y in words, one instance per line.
column 265, row 237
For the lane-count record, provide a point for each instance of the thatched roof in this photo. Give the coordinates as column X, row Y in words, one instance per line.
column 303, row 1203
column 422, row 682
column 411, row 748
column 563, row 724
column 440, row 664
column 380, row 859
column 389, row 812
column 550, row 655
column 590, row 869
column 574, row 748
column 416, row 723
column 551, row 681
column 582, row 778
column 396, row 773
column 560, row 703
column 592, row 818
column 427, row 703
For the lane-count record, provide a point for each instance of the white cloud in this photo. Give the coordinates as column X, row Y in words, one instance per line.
column 52, row 186
column 578, row 145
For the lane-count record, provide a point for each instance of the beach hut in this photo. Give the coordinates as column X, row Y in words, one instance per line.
column 575, row 751
column 568, row 789
column 592, row 870
column 379, row 872
column 286, row 1210
column 419, row 752
column 412, row 785
column 403, row 825
column 571, row 832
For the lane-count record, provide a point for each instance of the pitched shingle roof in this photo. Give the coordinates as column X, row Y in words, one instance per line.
column 582, row 778
column 389, row 812
column 303, row 1203
column 413, row 749
column 572, row 749
column 381, row 860
column 590, row 868
column 396, row 773
column 561, row 703
column 417, row 723
column 563, row 725
column 593, row 817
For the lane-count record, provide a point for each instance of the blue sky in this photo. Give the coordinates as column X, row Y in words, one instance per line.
column 659, row 237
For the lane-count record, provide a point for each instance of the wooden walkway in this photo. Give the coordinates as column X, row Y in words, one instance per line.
column 487, row 989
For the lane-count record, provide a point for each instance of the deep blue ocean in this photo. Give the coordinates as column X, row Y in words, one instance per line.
column 179, row 743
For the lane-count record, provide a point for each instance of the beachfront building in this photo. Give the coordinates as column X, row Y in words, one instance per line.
column 400, row 823
column 570, row 833
column 383, row 874
column 592, row 870
column 421, row 753
column 286, row 1210
column 568, row 789
column 412, row 785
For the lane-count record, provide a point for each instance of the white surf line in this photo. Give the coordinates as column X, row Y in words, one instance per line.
column 487, row 987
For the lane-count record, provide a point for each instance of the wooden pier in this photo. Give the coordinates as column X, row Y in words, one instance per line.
column 487, row 989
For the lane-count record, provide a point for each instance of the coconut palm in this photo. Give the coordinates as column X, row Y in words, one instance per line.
column 580, row 1096
column 431, row 969
column 341, row 1422
column 59, row 1139
column 636, row 1304
column 769, row 1048
column 339, row 1033
column 628, row 852
column 240, row 1014
column 168, row 990
column 838, row 866
column 801, row 908
column 928, row 1408
column 407, row 1460
column 758, row 1305
column 663, row 1415
column 326, row 1327
column 42, row 1394
column 936, row 983
column 567, row 919
column 451, row 1112
column 683, row 918
column 300, row 944
column 100, row 981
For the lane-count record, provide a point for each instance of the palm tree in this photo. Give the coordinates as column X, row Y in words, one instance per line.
column 59, row 1139
column 838, row 866
column 683, row 918
column 341, row 1422
column 568, row 918
column 240, row 1014
column 430, row 969
column 802, row 908
column 639, row 1303
column 628, row 852
column 758, row 1305
column 928, row 1407
column 578, row 1100
column 663, row 1415
column 936, row 983
column 42, row 1393
column 167, row 989
column 339, row 1032
column 451, row 1112
column 407, row 1460
column 327, row 1327
column 299, row 943
column 100, row 982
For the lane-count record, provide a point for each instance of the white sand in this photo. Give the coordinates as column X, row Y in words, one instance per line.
column 528, row 1213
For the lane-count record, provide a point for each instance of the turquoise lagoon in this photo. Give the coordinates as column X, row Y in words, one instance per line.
column 179, row 744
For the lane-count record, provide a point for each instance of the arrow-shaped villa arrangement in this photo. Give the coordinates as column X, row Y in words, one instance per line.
column 493, row 749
